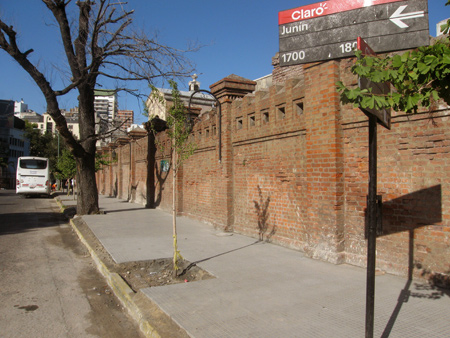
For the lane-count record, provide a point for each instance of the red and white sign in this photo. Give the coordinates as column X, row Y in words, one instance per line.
column 364, row 47
column 325, row 8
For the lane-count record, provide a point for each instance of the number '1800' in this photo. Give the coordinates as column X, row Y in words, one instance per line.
column 293, row 56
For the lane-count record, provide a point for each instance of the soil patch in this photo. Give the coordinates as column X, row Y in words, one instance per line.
column 143, row 274
column 159, row 272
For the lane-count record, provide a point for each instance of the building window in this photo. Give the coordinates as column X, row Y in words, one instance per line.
column 298, row 107
column 281, row 113
column 252, row 120
column 239, row 123
column 265, row 117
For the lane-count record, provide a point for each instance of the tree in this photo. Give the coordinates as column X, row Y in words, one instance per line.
column 99, row 44
column 178, row 131
column 420, row 77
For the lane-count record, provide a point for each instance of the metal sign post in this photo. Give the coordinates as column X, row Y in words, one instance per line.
column 372, row 226
column 373, row 204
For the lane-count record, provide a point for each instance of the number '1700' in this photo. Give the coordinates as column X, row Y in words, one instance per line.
column 293, row 56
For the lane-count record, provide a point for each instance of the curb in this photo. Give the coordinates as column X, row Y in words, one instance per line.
column 121, row 290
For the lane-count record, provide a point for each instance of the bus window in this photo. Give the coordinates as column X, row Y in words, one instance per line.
column 32, row 164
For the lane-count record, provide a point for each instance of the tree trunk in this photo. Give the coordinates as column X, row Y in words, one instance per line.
column 174, row 213
column 87, row 201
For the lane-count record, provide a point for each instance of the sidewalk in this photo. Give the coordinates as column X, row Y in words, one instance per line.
column 260, row 289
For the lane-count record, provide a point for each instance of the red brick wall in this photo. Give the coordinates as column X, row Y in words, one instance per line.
column 413, row 163
column 294, row 162
column 269, row 164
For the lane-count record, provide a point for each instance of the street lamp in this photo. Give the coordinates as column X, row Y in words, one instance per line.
column 220, row 116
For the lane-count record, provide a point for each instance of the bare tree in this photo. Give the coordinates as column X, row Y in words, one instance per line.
column 101, row 44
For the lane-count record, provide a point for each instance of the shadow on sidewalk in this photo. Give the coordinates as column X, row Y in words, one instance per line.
column 215, row 256
column 122, row 210
column 418, row 209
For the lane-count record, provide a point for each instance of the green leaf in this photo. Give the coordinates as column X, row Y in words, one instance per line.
column 423, row 68
column 435, row 95
column 380, row 101
column 397, row 61
column 405, row 57
column 446, row 59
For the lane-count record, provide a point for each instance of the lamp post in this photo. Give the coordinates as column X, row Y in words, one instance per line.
column 220, row 116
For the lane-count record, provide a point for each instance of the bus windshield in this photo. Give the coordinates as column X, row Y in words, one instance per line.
column 32, row 164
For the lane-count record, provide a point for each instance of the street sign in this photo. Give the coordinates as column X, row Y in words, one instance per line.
column 393, row 25
column 384, row 115
column 325, row 8
column 399, row 17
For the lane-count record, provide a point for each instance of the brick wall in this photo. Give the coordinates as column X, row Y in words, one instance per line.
column 294, row 170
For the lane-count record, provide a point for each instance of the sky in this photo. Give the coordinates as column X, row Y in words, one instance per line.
column 238, row 37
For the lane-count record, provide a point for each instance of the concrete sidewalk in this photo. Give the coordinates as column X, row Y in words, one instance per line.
column 264, row 290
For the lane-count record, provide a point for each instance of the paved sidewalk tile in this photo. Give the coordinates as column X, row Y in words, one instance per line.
column 264, row 290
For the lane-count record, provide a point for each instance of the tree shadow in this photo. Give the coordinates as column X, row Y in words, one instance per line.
column 153, row 173
column 405, row 214
column 161, row 181
column 115, row 191
column 215, row 256
column 14, row 223
column 262, row 213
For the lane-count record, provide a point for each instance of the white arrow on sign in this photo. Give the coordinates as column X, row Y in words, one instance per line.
column 397, row 17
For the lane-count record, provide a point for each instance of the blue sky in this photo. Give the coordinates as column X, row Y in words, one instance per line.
column 240, row 37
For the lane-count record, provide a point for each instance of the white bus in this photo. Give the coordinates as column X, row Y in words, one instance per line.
column 33, row 176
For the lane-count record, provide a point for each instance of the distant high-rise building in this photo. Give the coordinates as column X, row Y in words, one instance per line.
column 125, row 116
column 13, row 143
column 20, row 107
column 105, row 104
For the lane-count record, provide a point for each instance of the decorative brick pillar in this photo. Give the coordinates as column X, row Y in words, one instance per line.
column 227, row 90
column 120, row 142
column 134, row 135
column 104, row 172
column 111, row 183
column 324, row 152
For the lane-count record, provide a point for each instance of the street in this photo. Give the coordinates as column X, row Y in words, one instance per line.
column 49, row 286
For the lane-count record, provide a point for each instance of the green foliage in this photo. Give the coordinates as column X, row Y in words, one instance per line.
column 179, row 126
column 42, row 145
column 66, row 166
column 100, row 161
column 420, row 77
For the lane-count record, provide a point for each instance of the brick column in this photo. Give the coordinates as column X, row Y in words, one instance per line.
column 111, row 191
column 324, row 152
column 227, row 90
column 103, row 179
column 120, row 142
column 134, row 135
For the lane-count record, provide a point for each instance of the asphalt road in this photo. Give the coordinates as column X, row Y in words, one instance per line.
column 49, row 286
